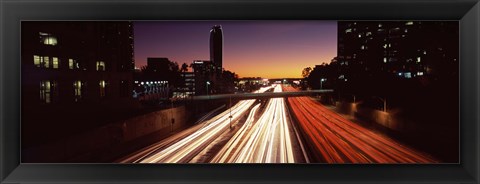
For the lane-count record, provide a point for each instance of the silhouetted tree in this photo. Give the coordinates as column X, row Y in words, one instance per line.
column 170, row 72
column 229, row 78
column 184, row 67
column 306, row 72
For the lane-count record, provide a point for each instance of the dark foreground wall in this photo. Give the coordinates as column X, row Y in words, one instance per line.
column 437, row 139
column 87, row 146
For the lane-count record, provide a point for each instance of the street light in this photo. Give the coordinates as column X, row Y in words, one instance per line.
column 384, row 103
column 321, row 82
column 351, row 95
column 208, row 83
column 230, row 112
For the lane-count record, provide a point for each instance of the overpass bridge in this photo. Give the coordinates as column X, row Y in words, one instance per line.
column 243, row 96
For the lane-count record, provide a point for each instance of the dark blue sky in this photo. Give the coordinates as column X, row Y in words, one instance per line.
column 251, row 48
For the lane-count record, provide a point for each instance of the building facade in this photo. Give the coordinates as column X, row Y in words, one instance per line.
column 75, row 72
column 76, row 62
column 204, row 77
column 216, row 48
column 407, row 49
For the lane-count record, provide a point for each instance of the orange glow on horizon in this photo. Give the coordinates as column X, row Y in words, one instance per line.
column 281, row 68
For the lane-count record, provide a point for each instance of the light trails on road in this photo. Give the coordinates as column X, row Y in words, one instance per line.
column 188, row 147
column 268, row 140
column 338, row 140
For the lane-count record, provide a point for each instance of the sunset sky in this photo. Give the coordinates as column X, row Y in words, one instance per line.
column 269, row 49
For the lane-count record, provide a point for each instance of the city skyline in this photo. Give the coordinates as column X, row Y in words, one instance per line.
column 379, row 100
column 289, row 46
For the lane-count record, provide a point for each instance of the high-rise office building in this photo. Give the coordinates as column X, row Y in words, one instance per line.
column 406, row 49
column 70, row 69
column 77, row 62
column 216, row 48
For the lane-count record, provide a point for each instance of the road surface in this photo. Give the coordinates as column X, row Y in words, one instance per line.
column 187, row 147
column 335, row 139
column 266, row 140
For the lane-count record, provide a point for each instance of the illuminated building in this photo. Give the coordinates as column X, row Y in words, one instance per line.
column 189, row 88
column 74, row 73
column 406, row 49
column 204, row 75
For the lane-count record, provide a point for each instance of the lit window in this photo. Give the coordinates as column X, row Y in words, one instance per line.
column 55, row 62
column 418, row 59
column 41, row 61
column 74, row 64
column 359, row 35
column 48, row 39
column 71, row 63
column 77, row 86
column 419, row 73
column 102, row 85
column 385, row 60
column 100, row 66
column 348, row 30
column 409, row 23
column 369, row 33
column 45, row 91
column 379, row 25
column 37, row 60
column 46, row 61
column 424, row 52
column 385, row 46
column 408, row 75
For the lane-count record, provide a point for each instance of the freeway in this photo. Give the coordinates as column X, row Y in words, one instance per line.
column 335, row 139
column 266, row 140
column 183, row 148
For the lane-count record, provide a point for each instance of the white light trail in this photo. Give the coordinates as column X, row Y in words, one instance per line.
column 184, row 149
column 267, row 141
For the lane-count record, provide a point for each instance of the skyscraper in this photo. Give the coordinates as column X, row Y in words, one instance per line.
column 216, row 48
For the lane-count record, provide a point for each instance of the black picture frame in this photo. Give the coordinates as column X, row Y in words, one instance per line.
column 12, row 12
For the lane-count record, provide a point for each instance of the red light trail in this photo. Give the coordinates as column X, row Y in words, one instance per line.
column 338, row 140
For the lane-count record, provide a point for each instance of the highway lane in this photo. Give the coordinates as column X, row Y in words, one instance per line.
column 338, row 140
column 183, row 150
column 266, row 140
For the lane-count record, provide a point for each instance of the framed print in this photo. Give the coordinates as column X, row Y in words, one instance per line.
column 240, row 92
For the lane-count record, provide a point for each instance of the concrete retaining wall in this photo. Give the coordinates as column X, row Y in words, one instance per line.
column 155, row 121
column 386, row 119
column 80, row 147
